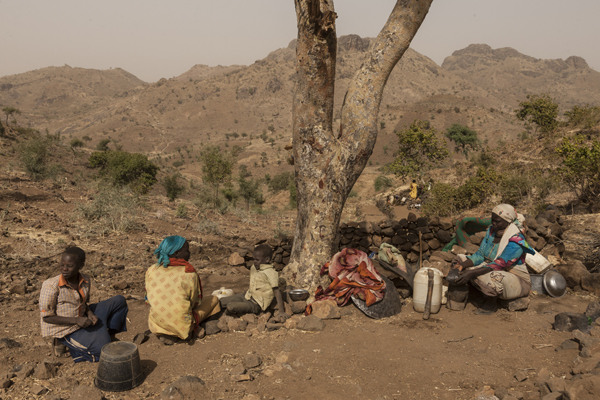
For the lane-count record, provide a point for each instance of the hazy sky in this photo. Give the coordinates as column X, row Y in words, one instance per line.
column 160, row 38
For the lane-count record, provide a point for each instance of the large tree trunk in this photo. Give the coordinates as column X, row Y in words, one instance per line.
column 327, row 164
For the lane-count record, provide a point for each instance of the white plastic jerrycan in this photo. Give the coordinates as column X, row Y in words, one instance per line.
column 420, row 290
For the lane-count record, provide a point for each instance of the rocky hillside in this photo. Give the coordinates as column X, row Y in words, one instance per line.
column 250, row 106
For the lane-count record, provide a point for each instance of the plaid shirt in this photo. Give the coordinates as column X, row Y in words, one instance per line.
column 58, row 298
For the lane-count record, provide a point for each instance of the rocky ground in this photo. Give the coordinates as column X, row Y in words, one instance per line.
column 453, row 355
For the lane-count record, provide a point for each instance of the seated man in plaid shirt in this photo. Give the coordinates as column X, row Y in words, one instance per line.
column 67, row 317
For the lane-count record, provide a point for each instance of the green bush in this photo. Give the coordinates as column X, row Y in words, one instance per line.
column 112, row 209
column 103, row 145
column 419, row 148
column 181, row 211
column 123, row 168
column 172, row 186
column 280, row 181
column 586, row 117
column 464, row 139
column 580, row 168
column 382, row 182
column 75, row 143
column 540, row 110
column 34, row 154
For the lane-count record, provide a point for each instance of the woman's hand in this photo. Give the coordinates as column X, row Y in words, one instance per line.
column 470, row 274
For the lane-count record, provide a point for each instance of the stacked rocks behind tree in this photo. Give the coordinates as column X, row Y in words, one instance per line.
column 544, row 233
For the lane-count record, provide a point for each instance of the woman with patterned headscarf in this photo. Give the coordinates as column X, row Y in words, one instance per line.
column 498, row 267
column 174, row 292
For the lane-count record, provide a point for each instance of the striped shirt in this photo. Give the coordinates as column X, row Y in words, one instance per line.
column 58, row 298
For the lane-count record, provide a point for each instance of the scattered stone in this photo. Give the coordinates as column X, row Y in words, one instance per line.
column 251, row 361
column 5, row 383
column 120, row 285
column 292, row 323
column 587, row 365
column 311, row 323
column 251, row 397
column 19, row 288
column 82, row 392
column 236, row 325
column 264, row 317
column 456, row 249
column 7, row 343
column 521, row 376
column 212, row 327
column 326, row 309
column 223, row 323
column 235, row 259
column 298, row 307
column 250, row 318
column 24, row 370
column 273, row 326
column 521, row 304
column 185, row 388
column 444, row 255
column 553, row 396
column 568, row 322
column 141, row 337
column 471, row 248
column 585, row 388
column 237, row 370
column 38, row 390
column 241, row 378
column 45, row 370
column 487, row 393
column 593, row 310
column 568, row 344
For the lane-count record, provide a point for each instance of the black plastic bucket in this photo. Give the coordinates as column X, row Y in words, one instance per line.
column 119, row 368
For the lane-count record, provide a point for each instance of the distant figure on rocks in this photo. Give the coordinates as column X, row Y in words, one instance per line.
column 498, row 267
column 264, row 287
column 414, row 189
column 174, row 292
column 67, row 317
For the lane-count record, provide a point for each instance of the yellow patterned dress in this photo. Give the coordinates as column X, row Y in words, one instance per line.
column 176, row 303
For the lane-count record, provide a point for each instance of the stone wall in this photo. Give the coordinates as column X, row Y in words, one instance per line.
column 544, row 233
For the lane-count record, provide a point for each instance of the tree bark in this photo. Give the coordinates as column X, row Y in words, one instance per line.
column 328, row 164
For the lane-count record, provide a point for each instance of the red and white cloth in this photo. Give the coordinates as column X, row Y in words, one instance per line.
column 352, row 273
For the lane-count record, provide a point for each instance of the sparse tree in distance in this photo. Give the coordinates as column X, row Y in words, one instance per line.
column 103, row 145
column 328, row 163
column 464, row 139
column 8, row 111
column 216, row 168
column 418, row 148
column 172, row 186
column 541, row 110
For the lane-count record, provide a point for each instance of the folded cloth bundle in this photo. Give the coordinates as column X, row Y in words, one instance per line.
column 352, row 273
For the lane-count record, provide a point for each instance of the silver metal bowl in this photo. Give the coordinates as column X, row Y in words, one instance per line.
column 554, row 283
column 298, row 294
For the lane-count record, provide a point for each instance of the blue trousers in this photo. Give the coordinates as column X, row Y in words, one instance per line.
column 85, row 343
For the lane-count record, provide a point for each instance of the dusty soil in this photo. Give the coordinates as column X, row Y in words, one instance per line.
column 454, row 355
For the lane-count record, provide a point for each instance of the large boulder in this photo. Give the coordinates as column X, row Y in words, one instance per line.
column 325, row 309
column 591, row 283
column 574, row 272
